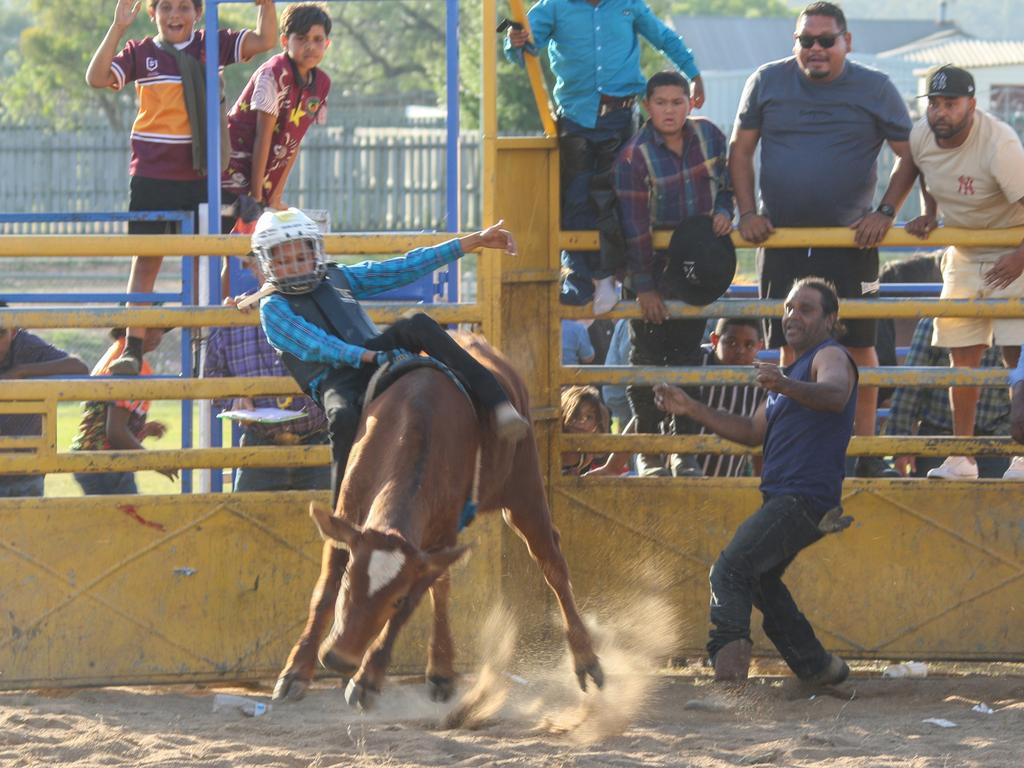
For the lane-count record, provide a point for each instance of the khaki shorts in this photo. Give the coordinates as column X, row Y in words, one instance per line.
column 963, row 278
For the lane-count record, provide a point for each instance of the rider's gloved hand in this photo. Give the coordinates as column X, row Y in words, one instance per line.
column 391, row 355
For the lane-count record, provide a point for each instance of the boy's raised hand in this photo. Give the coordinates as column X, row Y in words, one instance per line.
column 125, row 13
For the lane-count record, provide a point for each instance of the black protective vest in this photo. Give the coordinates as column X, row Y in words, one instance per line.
column 332, row 308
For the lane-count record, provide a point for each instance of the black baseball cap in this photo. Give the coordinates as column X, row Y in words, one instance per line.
column 950, row 81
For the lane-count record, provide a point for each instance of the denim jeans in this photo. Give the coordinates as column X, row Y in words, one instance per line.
column 106, row 483
column 748, row 574
column 21, row 485
column 588, row 198
column 281, row 478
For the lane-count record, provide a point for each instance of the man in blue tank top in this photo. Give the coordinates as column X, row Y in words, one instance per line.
column 805, row 426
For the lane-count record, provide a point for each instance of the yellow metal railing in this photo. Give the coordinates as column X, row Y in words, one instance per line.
column 40, row 454
column 849, row 309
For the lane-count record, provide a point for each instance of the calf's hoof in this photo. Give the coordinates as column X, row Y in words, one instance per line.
column 440, row 688
column 593, row 671
column 360, row 696
column 290, row 687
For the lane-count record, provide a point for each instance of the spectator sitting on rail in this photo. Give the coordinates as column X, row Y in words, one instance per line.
column 245, row 351
column 735, row 341
column 168, row 138
column 925, row 411
column 282, row 99
column 331, row 346
column 671, row 175
column 594, row 50
column 583, row 412
column 25, row 356
column 121, row 425
column 972, row 168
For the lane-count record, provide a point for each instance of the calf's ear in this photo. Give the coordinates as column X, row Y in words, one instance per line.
column 337, row 530
column 435, row 563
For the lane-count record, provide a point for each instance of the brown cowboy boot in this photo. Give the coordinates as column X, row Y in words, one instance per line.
column 835, row 672
column 732, row 662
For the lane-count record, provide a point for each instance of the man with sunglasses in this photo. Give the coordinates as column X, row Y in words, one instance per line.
column 821, row 121
column 26, row 356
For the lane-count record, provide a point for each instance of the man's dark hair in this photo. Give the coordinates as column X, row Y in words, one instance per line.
column 829, row 299
column 667, row 77
column 297, row 19
column 725, row 323
column 831, row 10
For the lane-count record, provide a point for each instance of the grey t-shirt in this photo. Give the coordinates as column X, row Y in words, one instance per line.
column 820, row 141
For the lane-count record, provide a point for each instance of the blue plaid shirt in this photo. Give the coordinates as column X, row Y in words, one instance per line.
column 594, row 50
column 287, row 332
column 657, row 189
column 923, row 411
column 244, row 351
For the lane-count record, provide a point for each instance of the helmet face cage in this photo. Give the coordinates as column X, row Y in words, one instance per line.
column 290, row 250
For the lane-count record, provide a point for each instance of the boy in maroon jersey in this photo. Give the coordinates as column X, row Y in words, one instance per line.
column 168, row 163
column 286, row 95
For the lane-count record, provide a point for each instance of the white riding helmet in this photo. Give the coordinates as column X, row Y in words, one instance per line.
column 290, row 250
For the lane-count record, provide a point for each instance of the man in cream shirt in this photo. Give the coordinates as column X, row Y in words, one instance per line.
column 972, row 170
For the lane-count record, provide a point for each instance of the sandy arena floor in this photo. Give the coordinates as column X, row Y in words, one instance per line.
column 670, row 719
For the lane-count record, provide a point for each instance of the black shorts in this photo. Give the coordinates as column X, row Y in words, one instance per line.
column 853, row 271
column 164, row 195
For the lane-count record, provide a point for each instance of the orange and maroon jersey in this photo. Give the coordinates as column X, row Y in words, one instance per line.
column 161, row 135
column 273, row 89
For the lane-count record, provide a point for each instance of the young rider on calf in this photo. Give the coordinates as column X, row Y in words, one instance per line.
column 329, row 344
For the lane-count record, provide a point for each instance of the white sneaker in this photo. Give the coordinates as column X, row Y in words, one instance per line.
column 1016, row 469
column 956, row 468
column 605, row 295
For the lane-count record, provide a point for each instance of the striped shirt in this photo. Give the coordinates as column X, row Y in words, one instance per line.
column 244, row 351
column 924, row 411
column 657, row 189
column 287, row 332
column 738, row 399
column 161, row 134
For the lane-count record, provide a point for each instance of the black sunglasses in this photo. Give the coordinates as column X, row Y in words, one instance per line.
column 825, row 41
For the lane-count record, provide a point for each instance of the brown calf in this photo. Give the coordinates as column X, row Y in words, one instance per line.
column 394, row 532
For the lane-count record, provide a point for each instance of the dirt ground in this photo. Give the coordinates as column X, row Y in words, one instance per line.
column 673, row 719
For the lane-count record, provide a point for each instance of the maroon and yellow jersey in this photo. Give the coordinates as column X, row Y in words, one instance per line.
column 273, row 89
column 161, row 135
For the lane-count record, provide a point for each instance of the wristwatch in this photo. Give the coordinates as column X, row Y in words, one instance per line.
column 886, row 210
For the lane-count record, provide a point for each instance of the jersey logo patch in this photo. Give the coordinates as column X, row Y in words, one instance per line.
column 151, row 63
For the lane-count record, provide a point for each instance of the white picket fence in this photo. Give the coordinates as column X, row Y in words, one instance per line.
column 368, row 178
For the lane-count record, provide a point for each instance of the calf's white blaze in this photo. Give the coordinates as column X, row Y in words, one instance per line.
column 384, row 565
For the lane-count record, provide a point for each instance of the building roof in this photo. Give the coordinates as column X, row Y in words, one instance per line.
column 738, row 43
column 963, row 52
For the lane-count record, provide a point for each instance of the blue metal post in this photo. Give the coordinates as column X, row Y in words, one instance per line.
column 453, row 188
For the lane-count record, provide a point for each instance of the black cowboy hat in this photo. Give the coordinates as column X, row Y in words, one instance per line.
column 701, row 265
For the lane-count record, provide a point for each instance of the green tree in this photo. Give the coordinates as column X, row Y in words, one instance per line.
column 44, row 82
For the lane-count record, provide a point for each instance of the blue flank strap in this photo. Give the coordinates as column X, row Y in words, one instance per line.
column 467, row 515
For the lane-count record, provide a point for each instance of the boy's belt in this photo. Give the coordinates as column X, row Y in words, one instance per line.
column 615, row 103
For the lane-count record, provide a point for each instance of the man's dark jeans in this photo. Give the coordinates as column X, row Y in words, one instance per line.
column 748, row 574
column 588, row 198
column 281, row 478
